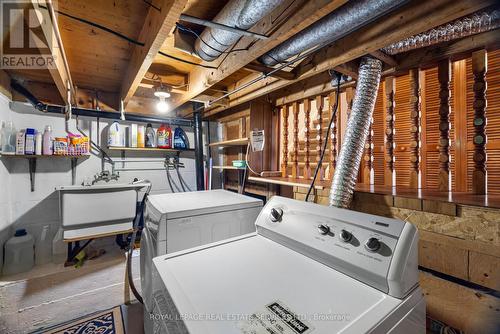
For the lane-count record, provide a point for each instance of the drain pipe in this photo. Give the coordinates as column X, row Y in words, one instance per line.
column 198, row 145
column 358, row 125
column 341, row 22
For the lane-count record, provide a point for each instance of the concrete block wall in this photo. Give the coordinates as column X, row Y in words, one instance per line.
column 21, row 208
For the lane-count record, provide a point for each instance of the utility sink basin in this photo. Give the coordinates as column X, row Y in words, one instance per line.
column 97, row 210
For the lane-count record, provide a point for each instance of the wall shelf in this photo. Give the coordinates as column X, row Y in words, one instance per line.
column 148, row 149
column 229, row 167
column 232, row 142
column 286, row 181
column 32, row 163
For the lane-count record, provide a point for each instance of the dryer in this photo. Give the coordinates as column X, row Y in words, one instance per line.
column 179, row 221
column 309, row 269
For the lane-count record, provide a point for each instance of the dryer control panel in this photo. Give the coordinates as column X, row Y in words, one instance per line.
column 378, row 251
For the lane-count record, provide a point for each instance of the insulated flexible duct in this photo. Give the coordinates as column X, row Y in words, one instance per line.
column 463, row 27
column 241, row 14
column 348, row 18
column 358, row 125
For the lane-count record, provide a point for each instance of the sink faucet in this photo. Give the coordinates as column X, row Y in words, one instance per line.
column 106, row 176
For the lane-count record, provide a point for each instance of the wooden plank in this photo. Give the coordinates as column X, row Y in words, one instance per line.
column 443, row 258
column 466, row 309
column 444, row 77
column 460, row 124
column 380, row 55
column 285, row 181
column 479, row 69
column 305, row 15
column 157, row 27
column 484, row 270
column 457, row 243
column 60, row 71
column 409, row 20
column 259, row 68
column 232, row 142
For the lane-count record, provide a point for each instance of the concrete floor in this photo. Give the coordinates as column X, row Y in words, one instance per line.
column 52, row 294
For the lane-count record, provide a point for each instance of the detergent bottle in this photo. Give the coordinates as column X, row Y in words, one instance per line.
column 115, row 134
column 180, row 139
column 164, row 136
column 150, row 136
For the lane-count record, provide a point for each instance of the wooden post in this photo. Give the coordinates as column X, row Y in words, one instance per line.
column 319, row 136
column 479, row 69
column 415, row 124
column 284, row 163
column 307, row 112
column 460, row 124
column 295, row 155
column 333, row 135
column 389, row 132
column 444, row 78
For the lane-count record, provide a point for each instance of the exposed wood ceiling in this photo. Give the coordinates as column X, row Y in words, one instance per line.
column 101, row 61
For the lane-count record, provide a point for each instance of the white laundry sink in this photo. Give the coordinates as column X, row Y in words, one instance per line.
column 98, row 209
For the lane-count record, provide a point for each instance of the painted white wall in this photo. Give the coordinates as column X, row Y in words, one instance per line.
column 21, row 208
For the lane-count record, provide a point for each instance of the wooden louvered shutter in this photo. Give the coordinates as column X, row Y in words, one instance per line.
column 378, row 129
column 493, row 122
column 402, row 136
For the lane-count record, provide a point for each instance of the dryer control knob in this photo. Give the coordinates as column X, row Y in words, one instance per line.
column 276, row 214
column 372, row 244
column 345, row 236
column 323, row 229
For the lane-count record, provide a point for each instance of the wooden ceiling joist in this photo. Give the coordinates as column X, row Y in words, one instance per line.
column 60, row 70
column 304, row 15
column 256, row 67
column 157, row 26
column 409, row 20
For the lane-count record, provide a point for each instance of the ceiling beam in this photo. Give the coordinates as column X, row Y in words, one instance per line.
column 60, row 70
column 157, row 27
column 301, row 15
column 259, row 68
column 380, row 55
column 409, row 20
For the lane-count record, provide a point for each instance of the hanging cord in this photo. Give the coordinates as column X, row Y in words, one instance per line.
column 334, row 113
column 138, row 217
column 248, row 162
column 167, row 166
column 176, row 166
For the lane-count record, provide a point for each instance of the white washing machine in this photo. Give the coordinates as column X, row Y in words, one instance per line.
column 308, row 269
column 178, row 221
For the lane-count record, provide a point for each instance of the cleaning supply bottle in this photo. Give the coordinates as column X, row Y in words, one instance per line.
column 141, row 136
column 29, row 141
column 114, row 134
column 9, row 138
column 181, row 141
column 47, row 145
column 150, row 136
column 20, row 142
column 19, row 253
column 38, row 143
column 164, row 136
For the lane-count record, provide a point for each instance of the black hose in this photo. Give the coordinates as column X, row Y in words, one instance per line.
column 137, row 219
column 180, row 178
column 334, row 113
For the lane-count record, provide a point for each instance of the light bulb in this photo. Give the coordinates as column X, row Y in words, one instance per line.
column 162, row 106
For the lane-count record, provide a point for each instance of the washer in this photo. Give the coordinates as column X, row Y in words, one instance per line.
column 307, row 269
column 178, row 221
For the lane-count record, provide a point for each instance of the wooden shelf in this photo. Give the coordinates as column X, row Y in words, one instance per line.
column 32, row 156
column 232, row 142
column 147, row 149
column 229, row 167
column 286, row 181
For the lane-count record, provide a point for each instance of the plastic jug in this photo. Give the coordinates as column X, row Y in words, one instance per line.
column 43, row 247
column 19, row 253
column 9, row 134
column 58, row 247
column 150, row 136
column 115, row 137
column 47, row 141
column 164, row 136
column 180, row 139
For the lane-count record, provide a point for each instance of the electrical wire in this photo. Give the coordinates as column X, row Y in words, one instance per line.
column 334, row 113
column 185, row 61
column 247, row 162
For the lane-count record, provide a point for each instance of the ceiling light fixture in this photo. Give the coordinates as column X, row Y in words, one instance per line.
column 162, row 93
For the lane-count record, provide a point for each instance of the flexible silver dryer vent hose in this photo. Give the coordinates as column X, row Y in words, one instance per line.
column 358, row 125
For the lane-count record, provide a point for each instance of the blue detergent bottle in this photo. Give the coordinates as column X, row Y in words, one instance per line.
column 181, row 141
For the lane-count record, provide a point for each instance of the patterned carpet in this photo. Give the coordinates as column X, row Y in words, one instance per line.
column 107, row 322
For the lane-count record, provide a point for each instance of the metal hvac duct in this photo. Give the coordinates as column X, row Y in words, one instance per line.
column 358, row 125
column 348, row 18
column 241, row 14
column 463, row 27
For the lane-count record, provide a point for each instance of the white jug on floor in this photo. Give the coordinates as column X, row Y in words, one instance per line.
column 19, row 253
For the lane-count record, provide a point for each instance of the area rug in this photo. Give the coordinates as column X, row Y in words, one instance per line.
column 106, row 322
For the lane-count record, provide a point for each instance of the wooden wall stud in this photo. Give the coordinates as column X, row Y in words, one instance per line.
column 319, row 136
